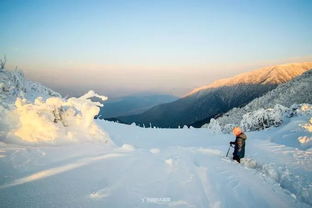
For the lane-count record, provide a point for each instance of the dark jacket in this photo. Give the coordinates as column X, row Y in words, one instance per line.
column 239, row 149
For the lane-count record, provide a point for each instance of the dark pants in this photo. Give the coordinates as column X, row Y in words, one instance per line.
column 238, row 153
column 235, row 157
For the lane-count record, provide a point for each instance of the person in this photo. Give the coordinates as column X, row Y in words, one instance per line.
column 239, row 148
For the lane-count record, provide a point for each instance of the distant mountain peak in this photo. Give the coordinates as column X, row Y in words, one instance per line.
column 268, row 75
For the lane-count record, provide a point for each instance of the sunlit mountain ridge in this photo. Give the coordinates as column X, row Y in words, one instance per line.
column 209, row 101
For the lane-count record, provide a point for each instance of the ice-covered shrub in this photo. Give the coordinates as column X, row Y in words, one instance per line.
column 264, row 118
column 56, row 120
column 2, row 62
column 213, row 126
column 32, row 113
column 13, row 85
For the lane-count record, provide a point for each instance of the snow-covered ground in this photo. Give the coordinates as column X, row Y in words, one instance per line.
column 160, row 168
column 54, row 154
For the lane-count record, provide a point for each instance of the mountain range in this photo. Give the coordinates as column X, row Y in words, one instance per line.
column 211, row 101
column 134, row 104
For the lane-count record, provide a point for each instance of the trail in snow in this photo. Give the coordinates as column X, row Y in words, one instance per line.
column 57, row 170
column 291, row 168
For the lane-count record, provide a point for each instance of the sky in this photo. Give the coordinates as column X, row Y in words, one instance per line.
column 123, row 47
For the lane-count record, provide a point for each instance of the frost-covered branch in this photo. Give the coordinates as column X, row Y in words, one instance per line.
column 3, row 62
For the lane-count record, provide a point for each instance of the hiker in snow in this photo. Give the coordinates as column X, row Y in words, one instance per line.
column 239, row 148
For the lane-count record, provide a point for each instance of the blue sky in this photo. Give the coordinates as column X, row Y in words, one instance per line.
column 121, row 47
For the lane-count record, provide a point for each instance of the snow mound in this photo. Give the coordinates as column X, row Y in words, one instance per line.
column 154, row 150
column 127, row 148
column 34, row 114
column 55, row 120
column 249, row 163
column 169, row 162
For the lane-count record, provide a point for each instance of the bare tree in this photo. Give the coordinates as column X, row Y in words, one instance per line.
column 3, row 62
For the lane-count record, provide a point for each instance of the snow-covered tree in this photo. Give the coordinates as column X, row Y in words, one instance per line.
column 295, row 91
column 264, row 118
column 2, row 62
column 213, row 126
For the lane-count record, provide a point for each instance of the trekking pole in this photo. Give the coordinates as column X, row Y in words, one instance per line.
column 228, row 150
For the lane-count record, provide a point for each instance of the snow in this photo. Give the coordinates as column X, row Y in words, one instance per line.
column 154, row 150
column 47, row 118
column 127, row 148
column 13, row 84
column 214, row 126
column 169, row 162
column 287, row 94
column 165, row 166
column 305, row 140
column 308, row 125
column 54, row 154
column 54, row 121
column 264, row 118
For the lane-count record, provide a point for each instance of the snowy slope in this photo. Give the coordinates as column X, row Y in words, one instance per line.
column 58, row 156
column 295, row 91
column 159, row 168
